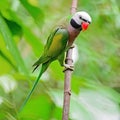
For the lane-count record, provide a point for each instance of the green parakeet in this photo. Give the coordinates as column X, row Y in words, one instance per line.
column 59, row 42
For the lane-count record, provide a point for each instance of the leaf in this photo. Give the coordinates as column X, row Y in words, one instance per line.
column 12, row 46
column 10, row 117
column 98, row 104
column 7, row 59
column 35, row 43
column 29, row 36
column 35, row 12
column 38, row 108
column 14, row 27
column 4, row 4
column 8, row 83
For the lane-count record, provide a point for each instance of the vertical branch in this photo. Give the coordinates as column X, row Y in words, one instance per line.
column 67, row 81
column 74, row 6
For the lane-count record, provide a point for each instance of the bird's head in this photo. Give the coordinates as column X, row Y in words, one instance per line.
column 81, row 20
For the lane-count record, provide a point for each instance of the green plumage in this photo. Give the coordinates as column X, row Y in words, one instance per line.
column 55, row 46
column 54, row 49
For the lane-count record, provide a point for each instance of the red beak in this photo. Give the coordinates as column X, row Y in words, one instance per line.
column 84, row 26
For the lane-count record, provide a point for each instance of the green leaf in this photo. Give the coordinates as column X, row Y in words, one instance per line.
column 7, row 59
column 97, row 100
column 35, row 12
column 35, row 43
column 8, row 83
column 38, row 108
column 4, row 4
column 14, row 27
column 10, row 117
column 10, row 44
column 30, row 37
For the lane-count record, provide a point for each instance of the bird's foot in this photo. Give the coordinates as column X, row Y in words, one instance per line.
column 72, row 46
column 68, row 67
column 68, row 92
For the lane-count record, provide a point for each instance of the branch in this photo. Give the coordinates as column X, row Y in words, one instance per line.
column 67, row 81
column 74, row 6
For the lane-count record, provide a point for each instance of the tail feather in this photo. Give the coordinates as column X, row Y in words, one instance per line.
column 43, row 69
column 36, row 63
column 42, row 59
column 35, row 68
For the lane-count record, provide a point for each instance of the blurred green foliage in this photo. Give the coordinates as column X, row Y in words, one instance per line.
column 24, row 28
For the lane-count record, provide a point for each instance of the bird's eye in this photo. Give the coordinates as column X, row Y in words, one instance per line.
column 80, row 17
column 84, row 19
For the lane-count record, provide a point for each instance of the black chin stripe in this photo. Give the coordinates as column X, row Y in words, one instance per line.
column 75, row 25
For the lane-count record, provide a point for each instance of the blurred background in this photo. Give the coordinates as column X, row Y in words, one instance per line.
column 24, row 28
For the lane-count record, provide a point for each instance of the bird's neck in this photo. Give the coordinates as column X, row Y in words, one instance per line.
column 75, row 25
column 73, row 33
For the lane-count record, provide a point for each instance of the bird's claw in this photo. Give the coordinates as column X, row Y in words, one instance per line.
column 68, row 67
column 72, row 46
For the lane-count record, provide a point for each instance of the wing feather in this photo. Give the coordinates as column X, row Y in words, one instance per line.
column 56, row 44
column 49, row 40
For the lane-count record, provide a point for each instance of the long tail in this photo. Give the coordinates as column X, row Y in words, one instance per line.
column 43, row 69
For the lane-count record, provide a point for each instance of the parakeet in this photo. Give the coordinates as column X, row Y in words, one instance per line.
column 59, row 42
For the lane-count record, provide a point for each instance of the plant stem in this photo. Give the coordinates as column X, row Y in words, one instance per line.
column 67, row 81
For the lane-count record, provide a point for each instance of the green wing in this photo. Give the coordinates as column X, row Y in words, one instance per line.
column 49, row 40
column 56, row 44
